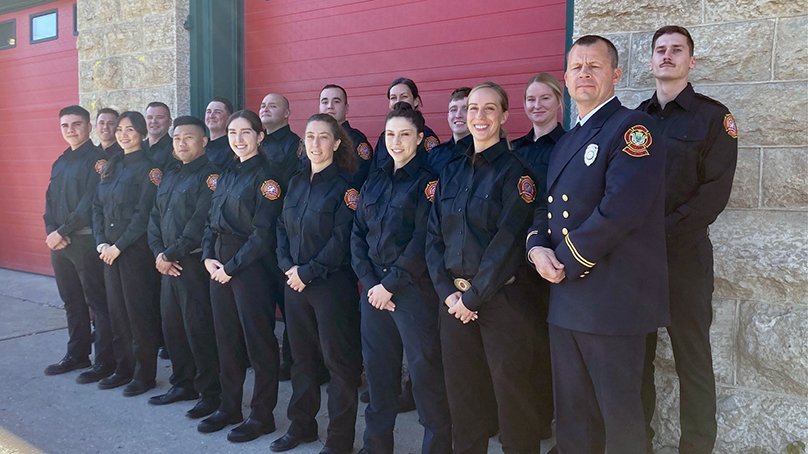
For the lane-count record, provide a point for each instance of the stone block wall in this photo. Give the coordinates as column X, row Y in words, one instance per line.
column 132, row 52
column 752, row 55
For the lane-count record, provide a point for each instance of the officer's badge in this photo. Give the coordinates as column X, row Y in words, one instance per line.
column 364, row 151
column 730, row 126
column 212, row 180
column 99, row 165
column 431, row 142
column 527, row 189
column 351, row 198
column 430, row 190
column 271, row 190
column 300, row 149
column 590, row 154
column 638, row 139
column 156, row 176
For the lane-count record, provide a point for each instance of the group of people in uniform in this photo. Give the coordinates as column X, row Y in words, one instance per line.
column 523, row 281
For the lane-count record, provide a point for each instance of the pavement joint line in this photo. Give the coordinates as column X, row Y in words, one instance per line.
column 32, row 302
column 26, row 335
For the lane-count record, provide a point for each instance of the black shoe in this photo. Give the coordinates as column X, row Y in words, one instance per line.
column 205, row 407
column 67, row 364
column 364, row 397
column 553, row 450
column 218, row 421
column 290, row 441
column 363, row 451
column 250, row 430
column 285, row 371
column 327, row 450
column 175, row 394
column 113, row 381
column 96, row 373
column 162, row 353
column 137, row 387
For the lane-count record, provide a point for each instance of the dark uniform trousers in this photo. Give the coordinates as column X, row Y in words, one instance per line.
column 415, row 322
column 80, row 279
column 133, row 286
column 504, row 334
column 188, row 328
column 244, row 320
column 597, row 377
column 325, row 316
column 690, row 277
column 277, row 282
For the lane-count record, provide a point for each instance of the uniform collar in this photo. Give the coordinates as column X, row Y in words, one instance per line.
column 70, row 153
column 582, row 121
column 220, row 142
column 410, row 169
column 194, row 165
column 278, row 135
column 347, row 126
column 324, row 175
column 491, row 153
column 135, row 156
column 249, row 164
column 163, row 142
column 465, row 141
column 684, row 99
column 553, row 135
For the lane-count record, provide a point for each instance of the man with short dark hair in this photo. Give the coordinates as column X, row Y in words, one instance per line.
column 599, row 239
column 461, row 137
column 158, row 122
column 105, row 122
column 218, row 149
column 78, row 271
column 176, row 227
column 702, row 150
column 334, row 102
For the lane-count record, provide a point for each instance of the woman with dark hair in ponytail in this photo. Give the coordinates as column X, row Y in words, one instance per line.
column 123, row 201
column 239, row 235
column 322, row 298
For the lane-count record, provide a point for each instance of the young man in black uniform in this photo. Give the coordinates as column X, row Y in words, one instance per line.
column 105, row 128
column 702, row 149
column 461, row 138
column 79, row 273
column 334, row 102
column 218, row 149
column 158, row 120
column 176, row 228
column 599, row 238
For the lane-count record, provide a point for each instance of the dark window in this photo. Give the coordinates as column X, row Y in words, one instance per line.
column 44, row 26
column 75, row 20
column 8, row 32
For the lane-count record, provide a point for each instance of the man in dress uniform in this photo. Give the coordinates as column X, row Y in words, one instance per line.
column 334, row 102
column 105, row 122
column 158, row 121
column 79, row 273
column 701, row 139
column 599, row 237
column 461, row 137
column 176, row 227
column 218, row 149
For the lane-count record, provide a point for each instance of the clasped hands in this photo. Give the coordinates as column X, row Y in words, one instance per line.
column 456, row 307
column 216, row 271
column 547, row 264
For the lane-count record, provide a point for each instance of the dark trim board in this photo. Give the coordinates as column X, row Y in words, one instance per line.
column 11, row 6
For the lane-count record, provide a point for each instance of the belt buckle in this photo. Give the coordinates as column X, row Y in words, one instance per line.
column 462, row 284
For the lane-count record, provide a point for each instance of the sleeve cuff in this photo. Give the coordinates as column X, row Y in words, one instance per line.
column 305, row 273
column 392, row 283
column 230, row 268
column 472, row 300
column 574, row 268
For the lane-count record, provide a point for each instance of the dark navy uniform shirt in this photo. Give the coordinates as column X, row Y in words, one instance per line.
column 112, row 150
column 245, row 205
column 536, row 154
column 68, row 200
column 220, row 153
column 389, row 231
column 440, row 155
column 701, row 140
column 315, row 228
column 124, row 200
column 281, row 147
column 483, row 207
column 181, row 206
column 381, row 156
column 161, row 153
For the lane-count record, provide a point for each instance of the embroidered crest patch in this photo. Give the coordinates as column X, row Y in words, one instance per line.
column 527, row 189
column 212, row 180
column 638, row 139
column 730, row 126
column 351, row 198
column 431, row 142
column 156, row 176
column 364, row 151
column 271, row 190
column 99, row 165
column 430, row 190
column 300, row 150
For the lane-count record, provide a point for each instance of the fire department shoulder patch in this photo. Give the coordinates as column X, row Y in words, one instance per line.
column 527, row 189
column 638, row 139
column 300, row 149
column 271, row 190
column 156, row 176
column 212, row 180
column 364, row 151
column 351, row 198
column 430, row 190
column 431, row 142
column 730, row 126
column 99, row 165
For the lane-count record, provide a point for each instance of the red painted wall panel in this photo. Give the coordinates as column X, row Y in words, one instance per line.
column 294, row 48
column 36, row 80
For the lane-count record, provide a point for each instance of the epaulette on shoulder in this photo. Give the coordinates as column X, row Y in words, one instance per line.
column 712, row 101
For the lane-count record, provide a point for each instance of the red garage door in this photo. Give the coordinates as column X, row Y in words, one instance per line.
column 36, row 80
column 294, row 48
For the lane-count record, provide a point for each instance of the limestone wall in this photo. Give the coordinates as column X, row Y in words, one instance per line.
column 132, row 52
column 752, row 55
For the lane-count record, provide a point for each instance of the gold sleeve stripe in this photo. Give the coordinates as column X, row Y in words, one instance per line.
column 530, row 234
column 575, row 253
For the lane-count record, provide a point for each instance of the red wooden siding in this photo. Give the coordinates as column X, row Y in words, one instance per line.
column 294, row 48
column 36, row 80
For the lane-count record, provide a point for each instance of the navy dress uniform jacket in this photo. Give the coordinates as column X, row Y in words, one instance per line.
column 604, row 218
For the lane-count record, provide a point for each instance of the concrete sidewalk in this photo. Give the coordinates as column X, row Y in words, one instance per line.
column 55, row 415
